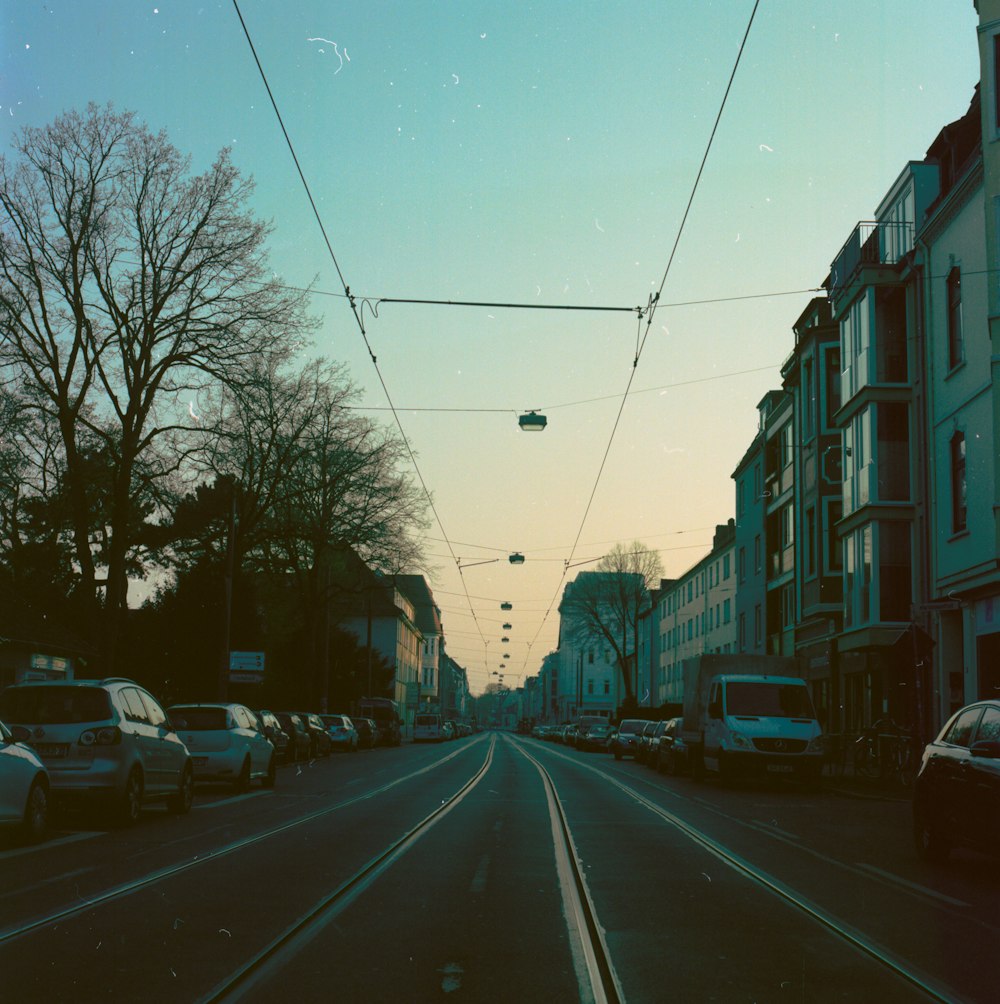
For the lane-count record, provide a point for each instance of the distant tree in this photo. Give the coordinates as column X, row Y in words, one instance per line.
column 603, row 607
column 126, row 286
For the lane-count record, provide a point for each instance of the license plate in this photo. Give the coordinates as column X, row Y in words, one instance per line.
column 51, row 751
column 780, row 768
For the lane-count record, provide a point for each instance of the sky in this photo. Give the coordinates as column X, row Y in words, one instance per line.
column 535, row 154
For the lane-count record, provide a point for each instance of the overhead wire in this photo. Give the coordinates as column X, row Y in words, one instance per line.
column 347, row 292
column 653, row 301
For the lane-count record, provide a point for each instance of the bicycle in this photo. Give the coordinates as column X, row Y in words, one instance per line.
column 885, row 752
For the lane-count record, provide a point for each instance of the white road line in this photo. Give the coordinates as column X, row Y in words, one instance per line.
column 231, row 800
column 907, row 884
column 49, row 881
column 482, row 873
column 71, row 838
column 774, row 828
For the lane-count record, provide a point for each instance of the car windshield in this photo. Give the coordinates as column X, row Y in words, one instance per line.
column 198, row 719
column 55, row 705
column 768, row 700
column 631, row 727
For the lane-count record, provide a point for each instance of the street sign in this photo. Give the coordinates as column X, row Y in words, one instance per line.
column 246, row 667
column 253, row 661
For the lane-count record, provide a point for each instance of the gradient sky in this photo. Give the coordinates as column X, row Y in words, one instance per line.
column 536, row 153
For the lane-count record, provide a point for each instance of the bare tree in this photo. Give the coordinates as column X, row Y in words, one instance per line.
column 125, row 286
column 602, row 608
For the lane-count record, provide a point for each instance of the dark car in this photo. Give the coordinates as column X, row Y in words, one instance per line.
column 651, row 745
column 672, row 751
column 298, row 734
column 596, row 737
column 320, row 743
column 626, row 739
column 280, row 739
column 365, row 728
column 956, row 795
column 645, row 738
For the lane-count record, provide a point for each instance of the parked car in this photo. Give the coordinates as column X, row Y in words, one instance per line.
column 448, row 729
column 626, row 738
column 645, row 738
column 343, row 735
column 367, row 731
column 569, row 734
column 956, row 793
column 652, row 744
column 24, row 786
column 319, row 738
column 584, row 725
column 596, row 737
column 274, row 731
column 298, row 733
column 672, row 752
column 103, row 741
column 226, row 743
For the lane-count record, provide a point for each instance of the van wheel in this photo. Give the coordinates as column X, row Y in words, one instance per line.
column 131, row 799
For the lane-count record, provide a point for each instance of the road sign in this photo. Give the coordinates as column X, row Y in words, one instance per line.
column 246, row 667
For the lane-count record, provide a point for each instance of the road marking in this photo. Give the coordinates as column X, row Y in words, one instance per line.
column 232, row 799
column 482, row 873
column 907, row 884
column 57, row 842
column 49, row 881
column 773, row 828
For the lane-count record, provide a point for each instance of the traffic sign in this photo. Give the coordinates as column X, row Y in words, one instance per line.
column 247, row 661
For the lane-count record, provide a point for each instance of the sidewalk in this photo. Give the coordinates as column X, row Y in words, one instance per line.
column 845, row 782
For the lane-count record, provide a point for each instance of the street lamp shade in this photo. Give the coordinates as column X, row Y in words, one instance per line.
column 516, row 558
column 532, row 422
column 507, row 627
column 505, row 639
column 506, row 605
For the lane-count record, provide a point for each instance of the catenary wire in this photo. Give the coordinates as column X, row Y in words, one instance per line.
column 347, row 291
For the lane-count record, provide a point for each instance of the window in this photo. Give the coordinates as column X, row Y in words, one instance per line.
column 757, row 485
column 743, row 632
column 607, row 686
column 725, row 566
column 590, row 656
column 834, row 551
column 959, row 511
column 135, row 710
column 831, row 379
column 590, row 686
column 810, row 555
column 788, row 606
column 961, row 729
column 757, row 624
column 756, row 553
column 956, row 352
column 156, row 714
column 808, row 400
column 741, row 574
column 725, row 611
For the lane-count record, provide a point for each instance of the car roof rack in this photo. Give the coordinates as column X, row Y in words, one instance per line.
column 117, row 679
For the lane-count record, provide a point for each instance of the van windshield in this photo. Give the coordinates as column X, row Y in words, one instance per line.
column 774, row 700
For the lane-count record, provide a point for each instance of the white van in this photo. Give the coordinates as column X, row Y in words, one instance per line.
column 427, row 728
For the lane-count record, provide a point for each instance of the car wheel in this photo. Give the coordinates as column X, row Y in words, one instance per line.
column 271, row 776
column 180, row 803
column 36, row 813
column 932, row 847
column 242, row 782
column 131, row 798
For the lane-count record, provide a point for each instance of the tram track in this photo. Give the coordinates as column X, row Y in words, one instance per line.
column 122, row 890
column 843, row 931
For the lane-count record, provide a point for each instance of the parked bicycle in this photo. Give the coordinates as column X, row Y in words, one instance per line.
column 886, row 752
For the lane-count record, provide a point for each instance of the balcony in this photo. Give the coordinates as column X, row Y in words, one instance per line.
column 870, row 244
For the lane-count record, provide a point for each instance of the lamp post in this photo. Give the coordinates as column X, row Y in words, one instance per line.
column 532, row 421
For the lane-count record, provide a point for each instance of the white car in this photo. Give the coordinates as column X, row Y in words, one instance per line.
column 24, row 787
column 226, row 743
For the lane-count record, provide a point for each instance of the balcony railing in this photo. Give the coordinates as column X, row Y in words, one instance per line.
column 870, row 243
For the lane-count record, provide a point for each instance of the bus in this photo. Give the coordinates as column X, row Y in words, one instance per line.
column 385, row 714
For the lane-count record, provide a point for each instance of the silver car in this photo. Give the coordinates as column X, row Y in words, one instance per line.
column 24, row 787
column 226, row 743
column 106, row 741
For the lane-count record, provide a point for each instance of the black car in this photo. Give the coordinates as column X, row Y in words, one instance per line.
column 366, row 730
column 672, row 751
column 320, row 743
column 645, row 738
column 651, row 745
column 300, row 741
column 956, row 796
column 281, row 740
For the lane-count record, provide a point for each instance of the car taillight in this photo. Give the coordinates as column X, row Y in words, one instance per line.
column 109, row 735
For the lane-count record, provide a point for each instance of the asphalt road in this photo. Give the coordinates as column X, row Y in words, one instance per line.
column 445, row 871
